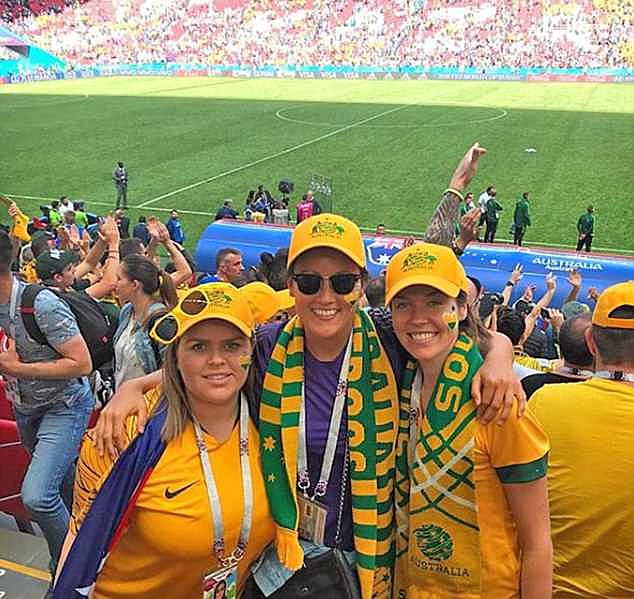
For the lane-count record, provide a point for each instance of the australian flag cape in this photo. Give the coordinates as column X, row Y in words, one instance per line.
column 106, row 520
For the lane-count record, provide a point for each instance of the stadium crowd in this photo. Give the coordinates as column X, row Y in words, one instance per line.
column 246, row 374
column 483, row 34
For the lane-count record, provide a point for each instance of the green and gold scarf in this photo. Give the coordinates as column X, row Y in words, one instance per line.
column 372, row 406
column 437, row 545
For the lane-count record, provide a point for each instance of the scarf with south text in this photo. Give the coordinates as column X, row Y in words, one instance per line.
column 372, row 412
column 437, row 544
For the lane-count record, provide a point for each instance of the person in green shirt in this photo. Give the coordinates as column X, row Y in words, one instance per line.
column 81, row 219
column 585, row 229
column 521, row 218
column 54, row 217
column 492, row 217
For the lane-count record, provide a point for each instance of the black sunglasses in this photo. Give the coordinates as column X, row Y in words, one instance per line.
column 341, row 283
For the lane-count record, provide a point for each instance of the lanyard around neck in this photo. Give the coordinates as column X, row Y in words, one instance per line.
column 212, row 491
column 616, row 375
column 303, row 476
column 580, row 372
column 414, row 414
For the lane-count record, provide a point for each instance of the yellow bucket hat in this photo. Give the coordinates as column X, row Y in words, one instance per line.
column 327, row 231
column 262, row 299
column 425, row 264
column 220, row 301
column 616, row 296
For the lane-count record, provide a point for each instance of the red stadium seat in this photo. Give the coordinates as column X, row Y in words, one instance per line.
column 15, row 460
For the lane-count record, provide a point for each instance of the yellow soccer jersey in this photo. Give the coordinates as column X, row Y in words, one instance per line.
column 591, row 429
column 167, row 548
column 516, row 452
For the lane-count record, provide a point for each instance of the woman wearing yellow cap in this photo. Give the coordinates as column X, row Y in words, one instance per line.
column 471, row 498
column 183, row 511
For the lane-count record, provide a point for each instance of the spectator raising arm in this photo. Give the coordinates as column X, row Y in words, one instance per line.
column 593, row 294
column 183, row 271
column 442, row 226
column 514, row 279
column 108, row 281
column 544, row 302
column 575, row 280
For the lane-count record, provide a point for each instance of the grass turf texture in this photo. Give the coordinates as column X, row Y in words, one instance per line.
column 392, row 148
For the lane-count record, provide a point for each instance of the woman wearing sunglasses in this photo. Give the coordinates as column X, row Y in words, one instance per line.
column 471, row 498
column 183, row 511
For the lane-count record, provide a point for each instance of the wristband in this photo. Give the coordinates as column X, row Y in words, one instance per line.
column 456, row 249
column 509, row 284
column 455, row 192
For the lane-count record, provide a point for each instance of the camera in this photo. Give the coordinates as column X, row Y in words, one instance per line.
column 488, row 303
column 497, row 298
column 286, row 186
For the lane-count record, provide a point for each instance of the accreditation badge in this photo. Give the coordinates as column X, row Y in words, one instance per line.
column 221, row 584
column 312, row 519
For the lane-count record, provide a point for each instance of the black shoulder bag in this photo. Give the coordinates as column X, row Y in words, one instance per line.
column 327, row 576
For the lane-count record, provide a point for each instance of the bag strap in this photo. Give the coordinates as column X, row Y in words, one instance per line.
column 28, row 313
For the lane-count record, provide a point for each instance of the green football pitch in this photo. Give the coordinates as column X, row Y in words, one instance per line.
column 390, row 147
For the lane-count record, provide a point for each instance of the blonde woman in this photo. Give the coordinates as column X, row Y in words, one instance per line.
column 183, row 511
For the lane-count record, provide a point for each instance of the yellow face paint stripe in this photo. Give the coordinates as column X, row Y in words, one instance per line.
column 20, row 569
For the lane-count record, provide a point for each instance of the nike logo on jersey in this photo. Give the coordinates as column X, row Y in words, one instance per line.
column 171, row 494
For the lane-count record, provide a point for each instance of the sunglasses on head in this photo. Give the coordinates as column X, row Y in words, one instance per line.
column 341, row 283
column 167, row 328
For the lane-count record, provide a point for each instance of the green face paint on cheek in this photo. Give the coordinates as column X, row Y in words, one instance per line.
column 451, row 318
column 245, row 362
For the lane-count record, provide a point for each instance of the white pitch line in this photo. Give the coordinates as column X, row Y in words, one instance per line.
column 272, row 156
column 280, row 115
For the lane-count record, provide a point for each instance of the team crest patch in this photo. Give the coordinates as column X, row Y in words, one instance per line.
column 418, row 259
column 434, row 542
column 219, row 299
column 327, row 229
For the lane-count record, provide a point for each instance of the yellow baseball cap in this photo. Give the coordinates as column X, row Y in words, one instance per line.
column 262, row 299
column 425, row 264
column 220, row 301
column 285, row 300
column 616, row 296
column 327, row 231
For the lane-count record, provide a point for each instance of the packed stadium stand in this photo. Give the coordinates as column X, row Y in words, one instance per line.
column 457, row 33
